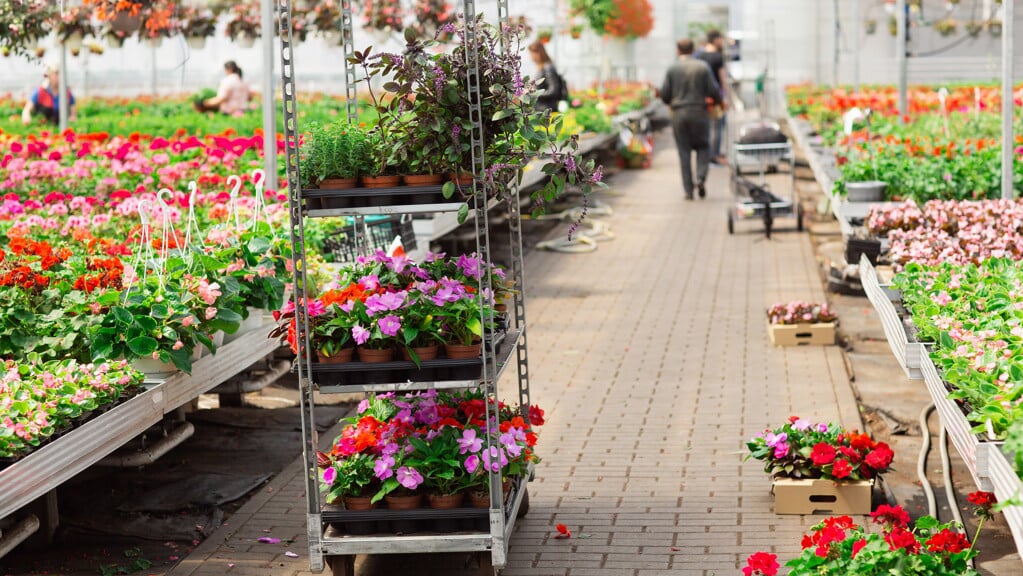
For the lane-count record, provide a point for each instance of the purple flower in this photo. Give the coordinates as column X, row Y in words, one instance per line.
column 781, row 450
column 494, row 459
column 315, row 308
column 570, row 163
column 370, row 282
column 470, row 266
column 409, row 477
column 598, row 174
column 432, row 434
column 508, row 441
column 822, row 427
column 363, row 405
column 385, row 302
column 455, row 131
column 360, row 334
column 469, row 442
column 801, row 424
column 389, row 325
column 472, row 462
column 329, row 475
column 437, row 256
column 347, row 306
column 773, row 440
column 382, row 468
column 427, row 413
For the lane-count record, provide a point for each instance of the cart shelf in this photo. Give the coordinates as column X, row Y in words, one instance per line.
column 413, row 377
column 334, row 542
column 47, row 468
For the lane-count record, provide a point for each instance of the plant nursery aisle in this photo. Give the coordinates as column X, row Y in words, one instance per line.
column 652, row 361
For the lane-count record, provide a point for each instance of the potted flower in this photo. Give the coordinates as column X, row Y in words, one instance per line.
column 383, row 169
column 799, row 323
column 334, row 155
column 840, row 547
column 514, row 131
column 974, row 28
column 544, row 35
column 243, row 27
column 198, row 25
column 807, row 460
column 74, row 26
column 159, row 22
column 994, row 27
column 439, row 462
column 25, row 23
column 870, row 26
column 325, row 19
column 421, row 325
column 350, row 479
column 331, row 335
column 576, row 31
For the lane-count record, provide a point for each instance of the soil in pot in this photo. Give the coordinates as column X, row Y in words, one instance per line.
column 372, row 355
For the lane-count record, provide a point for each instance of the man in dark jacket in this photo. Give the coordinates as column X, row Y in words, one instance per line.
column 688, row 87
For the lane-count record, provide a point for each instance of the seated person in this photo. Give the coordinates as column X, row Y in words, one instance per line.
column 45, row 102
column 232, row 94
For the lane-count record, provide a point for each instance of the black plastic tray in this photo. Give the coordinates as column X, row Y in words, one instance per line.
column 316, row 199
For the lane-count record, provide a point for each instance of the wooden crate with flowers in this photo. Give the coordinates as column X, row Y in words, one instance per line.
column 925, row 548
column 800, row 323
column 820, row 468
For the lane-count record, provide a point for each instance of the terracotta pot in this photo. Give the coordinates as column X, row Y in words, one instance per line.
column 462, row 178
column 360, row 503
column 404, row 502
column 371, row 355
column 445, row 502
column 500, row 308
column 338, row 183
column 461, row 351
column 345, row 355
column 422, row 179
column 479, row 499
column 424, row 353
column 125, row 22
column 380, row 181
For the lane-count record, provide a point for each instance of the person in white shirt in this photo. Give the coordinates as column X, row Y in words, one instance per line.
column 232, row 94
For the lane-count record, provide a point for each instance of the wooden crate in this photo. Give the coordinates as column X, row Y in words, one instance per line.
column 822, row 496
column 821, row 334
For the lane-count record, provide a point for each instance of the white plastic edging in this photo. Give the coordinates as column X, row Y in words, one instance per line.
column 1007, row 485
column 908, row 354
column 976, row 454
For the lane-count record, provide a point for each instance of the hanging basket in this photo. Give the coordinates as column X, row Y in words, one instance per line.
column 246, row 41
column 114, row 41
column 74, row 41
column 125, row 22
column 196, row 42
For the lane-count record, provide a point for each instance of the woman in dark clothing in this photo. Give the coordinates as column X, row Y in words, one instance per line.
column 552, row 82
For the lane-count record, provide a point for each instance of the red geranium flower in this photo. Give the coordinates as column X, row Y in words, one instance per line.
column 981, row 498
column 893, row 515
column 900, row 538
column 536, row 416
column 880, row 458
column 857, row 546
column 822, row 454
column 761, row 564
column 948, row 541
column 841, row 469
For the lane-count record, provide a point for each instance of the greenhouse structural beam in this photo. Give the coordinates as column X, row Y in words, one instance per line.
column 902, row 29
column 269, row 115
column 1008, row 148
column 64, row 108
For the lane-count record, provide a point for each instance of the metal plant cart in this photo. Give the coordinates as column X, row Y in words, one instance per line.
column 328, row 546
column 754, row 200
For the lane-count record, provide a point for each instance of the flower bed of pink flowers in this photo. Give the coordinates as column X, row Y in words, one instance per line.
column 952, row 231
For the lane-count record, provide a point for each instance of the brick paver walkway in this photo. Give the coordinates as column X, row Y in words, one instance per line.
column 652, row 361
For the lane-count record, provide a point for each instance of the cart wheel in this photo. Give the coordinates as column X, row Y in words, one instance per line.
column 524, row 505
column 486, row 563
column 341, row 565
column 799, row 217
column 731, row 223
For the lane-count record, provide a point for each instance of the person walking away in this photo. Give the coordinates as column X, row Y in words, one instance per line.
column 45, row 101
column 713, row 54
column 688, row 87
column 233, row 93
column 554, row 88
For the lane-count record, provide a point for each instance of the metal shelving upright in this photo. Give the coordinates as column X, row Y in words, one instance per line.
column 328, row 546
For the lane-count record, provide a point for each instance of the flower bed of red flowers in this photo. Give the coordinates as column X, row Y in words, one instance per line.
column 803, row 449
column 839, row 547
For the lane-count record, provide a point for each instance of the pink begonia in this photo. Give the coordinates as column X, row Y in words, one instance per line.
column 178, row 345
column 211, row 313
